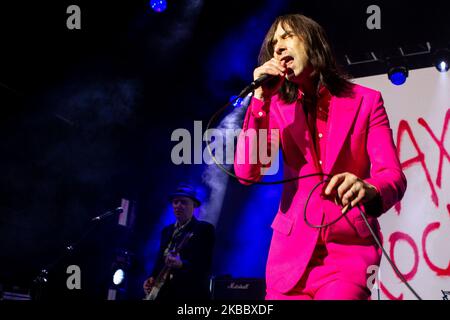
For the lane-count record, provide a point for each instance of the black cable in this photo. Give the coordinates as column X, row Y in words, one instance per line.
column 215, row 115
column 399, row 274
column 305, row 218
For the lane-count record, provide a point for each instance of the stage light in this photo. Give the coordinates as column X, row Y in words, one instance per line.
column 442, row 66
column 442, row 60
column 118, row 277
column 398, row 75
column 158, row 5
column 119, row 271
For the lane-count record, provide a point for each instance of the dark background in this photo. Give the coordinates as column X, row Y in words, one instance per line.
column 87, row 115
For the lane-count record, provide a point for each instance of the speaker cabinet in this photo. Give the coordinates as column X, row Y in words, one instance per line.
column 238, row 289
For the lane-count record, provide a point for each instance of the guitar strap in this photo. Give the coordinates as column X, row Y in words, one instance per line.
column 177, row 235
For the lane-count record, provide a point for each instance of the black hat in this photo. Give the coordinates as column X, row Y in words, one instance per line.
column 185, row 190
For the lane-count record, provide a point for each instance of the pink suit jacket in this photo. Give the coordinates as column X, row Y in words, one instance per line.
column 360, row 142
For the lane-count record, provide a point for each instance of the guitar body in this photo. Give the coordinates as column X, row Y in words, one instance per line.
column 160, row 280
column 164, row 274
column 153, row 294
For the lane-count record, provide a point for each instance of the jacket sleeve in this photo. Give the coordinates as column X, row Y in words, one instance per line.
column 259, row 137
column 385, row 173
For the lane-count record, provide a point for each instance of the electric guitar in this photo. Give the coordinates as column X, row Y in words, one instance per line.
column 165, row 272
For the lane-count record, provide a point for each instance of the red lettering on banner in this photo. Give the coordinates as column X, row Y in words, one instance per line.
column 420, row 158
column 436, row 269
column 388, row 294
column 405, row 129
column 440, row 144
column 396, row 236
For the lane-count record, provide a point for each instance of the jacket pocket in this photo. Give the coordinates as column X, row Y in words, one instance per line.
column 282, row 224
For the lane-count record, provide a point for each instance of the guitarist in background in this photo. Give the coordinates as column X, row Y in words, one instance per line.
column 191, row 267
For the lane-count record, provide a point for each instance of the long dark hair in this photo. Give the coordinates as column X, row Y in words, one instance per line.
column 320, row 56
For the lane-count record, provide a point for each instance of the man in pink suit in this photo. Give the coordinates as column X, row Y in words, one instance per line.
column 324, row 124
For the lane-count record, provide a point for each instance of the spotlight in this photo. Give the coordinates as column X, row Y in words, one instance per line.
column 442, row 60
column 398, row 75
column 119, row 274
column 158, row 5
column 118, row 277
column 442, row 66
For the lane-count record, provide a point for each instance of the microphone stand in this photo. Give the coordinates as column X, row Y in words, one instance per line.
column 41, row 280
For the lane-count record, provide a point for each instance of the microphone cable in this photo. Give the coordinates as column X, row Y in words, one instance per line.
column 229, row 173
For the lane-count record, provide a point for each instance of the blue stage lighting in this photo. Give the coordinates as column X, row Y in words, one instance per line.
column 398, row 75
column 236, row 101
column 158, row 5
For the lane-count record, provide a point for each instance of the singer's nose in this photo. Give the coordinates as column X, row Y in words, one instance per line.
column 279, row 49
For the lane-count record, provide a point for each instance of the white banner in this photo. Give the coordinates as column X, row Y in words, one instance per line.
column 416, row 232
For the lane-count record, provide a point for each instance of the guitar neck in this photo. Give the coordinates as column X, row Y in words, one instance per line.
column 163, row 274
column 166, row 269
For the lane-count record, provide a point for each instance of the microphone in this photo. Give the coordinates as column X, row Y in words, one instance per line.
column 256, row 84
column 108, row 213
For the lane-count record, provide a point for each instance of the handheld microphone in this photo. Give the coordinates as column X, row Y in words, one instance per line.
column 108, row 213
column 256, row 84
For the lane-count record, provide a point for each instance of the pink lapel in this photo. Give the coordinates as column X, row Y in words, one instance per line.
column 294, row 121
column 341, row 118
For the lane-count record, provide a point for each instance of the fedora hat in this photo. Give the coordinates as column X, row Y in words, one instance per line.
column 185, row 190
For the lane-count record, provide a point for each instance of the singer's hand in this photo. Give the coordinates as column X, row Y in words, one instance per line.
column 351, row 190
column 272, row 67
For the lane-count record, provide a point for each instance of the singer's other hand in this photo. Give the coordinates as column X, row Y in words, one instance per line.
column 272, row 67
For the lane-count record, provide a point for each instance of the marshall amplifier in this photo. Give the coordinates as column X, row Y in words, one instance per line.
column 238, row 289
